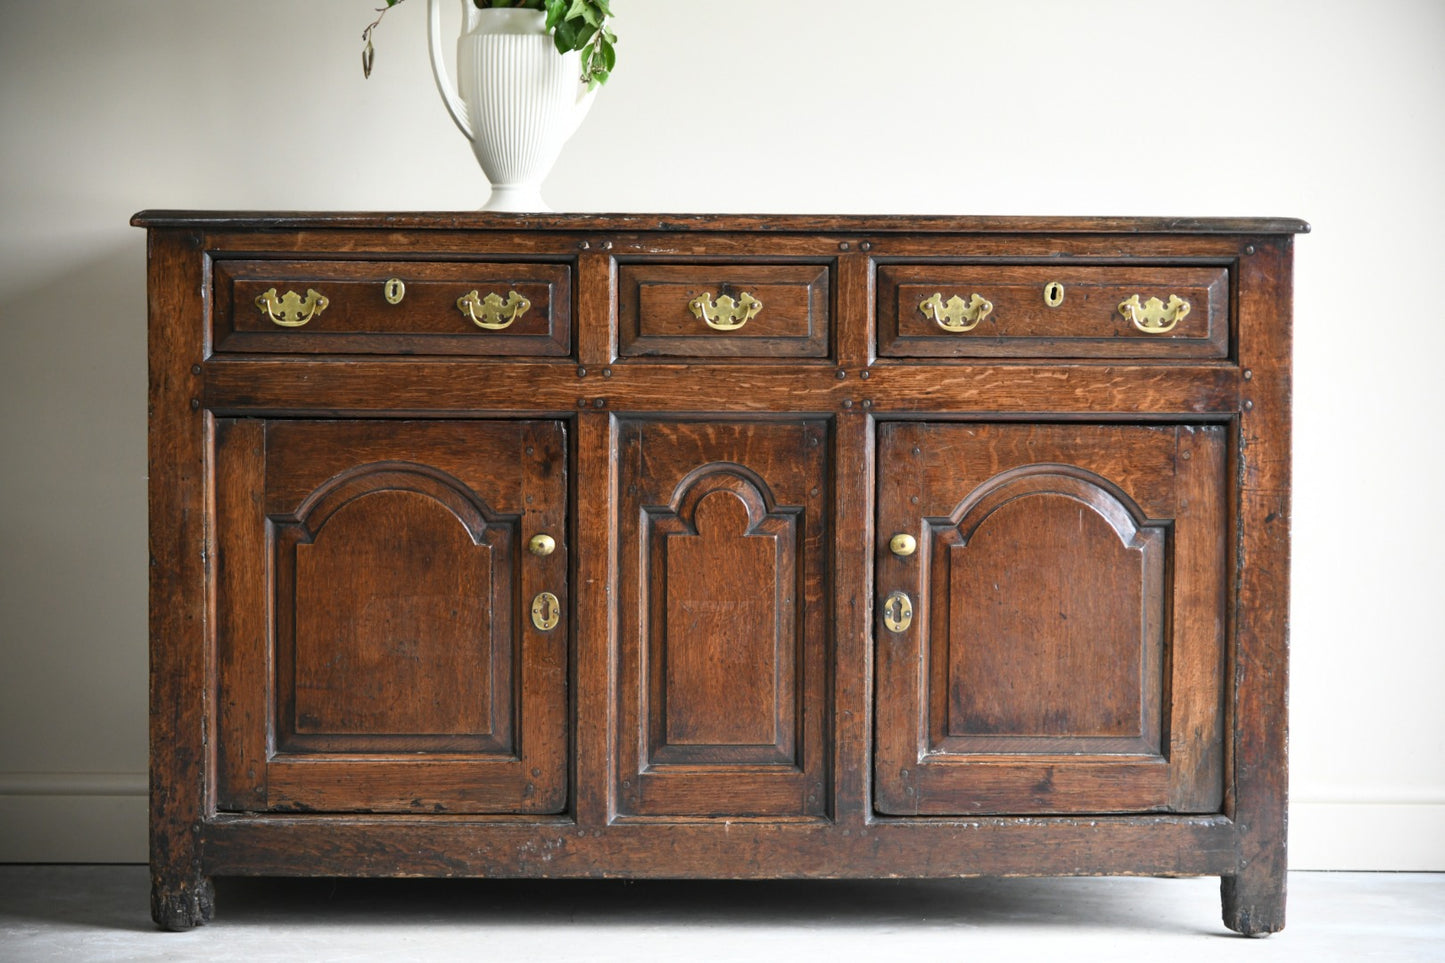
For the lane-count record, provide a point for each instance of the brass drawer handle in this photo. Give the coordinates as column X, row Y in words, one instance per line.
column 956, row 314
column 725, row 314
column 491, row 312
column 1154, row 316
column 290, row 310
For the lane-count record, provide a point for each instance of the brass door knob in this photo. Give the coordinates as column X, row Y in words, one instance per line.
column 903, row 545
column 542, row 545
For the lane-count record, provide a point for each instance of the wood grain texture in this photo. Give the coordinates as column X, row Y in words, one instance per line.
column 693, row 223
column 1086, row 323
column 359, row 320
column 179, row 553
column 443, row 388
column 653, row 303
column 1095, row 679
column 398, row 674
column 1048, row 648
column 734, row 848
column 1254, row 898
column 723, row 661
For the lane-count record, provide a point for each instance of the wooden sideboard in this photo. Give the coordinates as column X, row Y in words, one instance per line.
column 718, row 546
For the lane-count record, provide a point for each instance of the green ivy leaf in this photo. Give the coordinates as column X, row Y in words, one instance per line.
column 582, row 10
column 567, row 36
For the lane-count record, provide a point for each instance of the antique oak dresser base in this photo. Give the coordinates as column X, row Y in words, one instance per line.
column 718, row 547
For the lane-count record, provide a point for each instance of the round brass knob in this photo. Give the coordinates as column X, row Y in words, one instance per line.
column 542, row 545
column 902, row 545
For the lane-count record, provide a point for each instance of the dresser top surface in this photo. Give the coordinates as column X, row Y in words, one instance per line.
column 772, row 223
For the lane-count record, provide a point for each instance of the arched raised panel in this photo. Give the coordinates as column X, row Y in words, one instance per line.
column 722, row 628
column 393, row 592
column 722, row 656
column 1066, row 649
column 372, row 652
column 1047, row 629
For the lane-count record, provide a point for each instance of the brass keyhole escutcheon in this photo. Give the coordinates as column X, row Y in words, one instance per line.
column 1053, row 294
column 394, row 290
column 903, row 545
column 546, row 611
column 897, row 612
column 542, row 545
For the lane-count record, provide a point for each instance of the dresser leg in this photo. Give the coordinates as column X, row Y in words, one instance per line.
column 1254, row 902
column 180, row 904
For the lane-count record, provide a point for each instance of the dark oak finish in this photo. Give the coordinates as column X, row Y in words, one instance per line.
column 395, row 672
column 1067, row 649
column 722, row 670
column 355, row 669
column 653, row 306
column 359, row 319
column 1084, row 323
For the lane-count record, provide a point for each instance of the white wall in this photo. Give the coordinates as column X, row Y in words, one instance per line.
column 1331, row 110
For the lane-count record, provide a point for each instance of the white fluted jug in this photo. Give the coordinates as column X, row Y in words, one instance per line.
column 517, row 99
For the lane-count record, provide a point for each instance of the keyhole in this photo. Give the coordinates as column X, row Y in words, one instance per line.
column 1053, row 294
column 546, row 611
column 897, row 612
column 395, row 290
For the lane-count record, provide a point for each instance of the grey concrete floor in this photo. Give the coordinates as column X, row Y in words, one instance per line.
column 101, row 913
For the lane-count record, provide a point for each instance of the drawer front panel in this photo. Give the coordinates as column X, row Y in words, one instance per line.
column 724, row 310
column 1052, row 311
column 374, row 307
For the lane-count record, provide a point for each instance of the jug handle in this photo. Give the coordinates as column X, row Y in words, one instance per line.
column 455, row 106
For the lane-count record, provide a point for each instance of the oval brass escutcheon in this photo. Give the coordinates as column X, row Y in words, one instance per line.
column 1053, row 294
column 394, row 290
column 897, row 612
column 546, row 611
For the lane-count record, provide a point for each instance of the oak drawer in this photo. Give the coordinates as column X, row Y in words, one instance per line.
column 1052, row 311
column 392, row 307
column 724, row 310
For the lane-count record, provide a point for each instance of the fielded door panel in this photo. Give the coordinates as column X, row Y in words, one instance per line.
column 375, row 642
column 721, row 689
column 1054, row 641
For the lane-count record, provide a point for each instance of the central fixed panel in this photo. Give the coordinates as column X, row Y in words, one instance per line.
column 723, row 605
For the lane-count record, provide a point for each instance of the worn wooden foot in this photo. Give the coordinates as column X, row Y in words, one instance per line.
column 182, row 904
column 1253, row 903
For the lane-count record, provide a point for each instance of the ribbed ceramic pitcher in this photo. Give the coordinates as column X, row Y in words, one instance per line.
column 520, row 100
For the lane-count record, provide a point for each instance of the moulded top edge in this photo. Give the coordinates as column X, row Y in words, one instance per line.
column 793, row 223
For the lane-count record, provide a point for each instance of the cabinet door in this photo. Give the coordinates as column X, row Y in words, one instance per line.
column 376, row 648
column 1064, row 651
column 721, row 690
